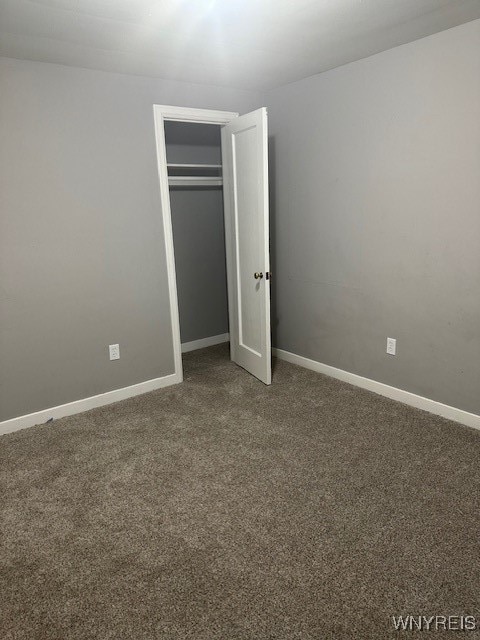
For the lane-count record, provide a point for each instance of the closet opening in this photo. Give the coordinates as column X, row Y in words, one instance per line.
column 194, row 167
column 213, row 176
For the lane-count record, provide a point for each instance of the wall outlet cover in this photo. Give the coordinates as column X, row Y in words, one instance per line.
column 391, row 346
column 114, row 351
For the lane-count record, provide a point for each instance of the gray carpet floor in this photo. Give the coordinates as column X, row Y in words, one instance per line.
column 224, row 509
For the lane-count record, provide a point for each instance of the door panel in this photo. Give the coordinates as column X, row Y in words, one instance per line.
column 245, row 168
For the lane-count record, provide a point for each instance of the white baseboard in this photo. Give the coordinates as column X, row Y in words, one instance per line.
column 419, row 402
column 40, row 417
column 205, row 342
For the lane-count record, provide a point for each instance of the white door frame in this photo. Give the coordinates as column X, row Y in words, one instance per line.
column 161, row 113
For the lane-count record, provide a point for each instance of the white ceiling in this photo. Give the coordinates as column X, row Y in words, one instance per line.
column 255, row 44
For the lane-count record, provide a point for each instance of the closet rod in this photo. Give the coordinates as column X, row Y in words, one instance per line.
column 193, row 166
column 195, row 181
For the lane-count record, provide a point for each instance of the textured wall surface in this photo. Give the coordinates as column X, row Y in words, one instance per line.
column 82, row 262
column 199, row 242
column 375, row 201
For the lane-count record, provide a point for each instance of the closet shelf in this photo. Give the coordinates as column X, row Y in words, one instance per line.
column 195, row 181
column 182, row 175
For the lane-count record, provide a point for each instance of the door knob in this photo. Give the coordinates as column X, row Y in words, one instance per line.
column 257, row 275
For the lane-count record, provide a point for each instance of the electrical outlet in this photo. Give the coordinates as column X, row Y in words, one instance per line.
column 391, row 346
column 114, row 351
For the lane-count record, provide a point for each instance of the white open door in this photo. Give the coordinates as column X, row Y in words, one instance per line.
column 245, row 180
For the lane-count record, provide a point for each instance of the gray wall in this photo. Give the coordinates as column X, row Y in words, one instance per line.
column 191, row 142
column 82, row 263
column 376, row 216
column 199, row 240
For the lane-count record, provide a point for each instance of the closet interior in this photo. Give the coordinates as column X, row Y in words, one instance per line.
column 194, row 163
